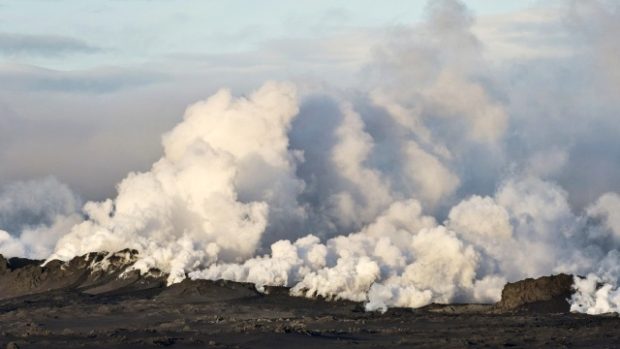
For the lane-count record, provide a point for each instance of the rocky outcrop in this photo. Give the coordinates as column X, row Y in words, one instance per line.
column 93, row 273
column 4, row 265
column 207, row 291
column 105, row 273
column 547, row 294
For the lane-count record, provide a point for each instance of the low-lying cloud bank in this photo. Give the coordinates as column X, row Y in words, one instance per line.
column 440, row 179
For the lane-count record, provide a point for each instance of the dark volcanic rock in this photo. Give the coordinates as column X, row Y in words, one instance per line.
column 110, row 274
column 98, row 302
column 4, row 265
column 93, row 273
column 547, row 294
column 17, row 262
column 207, row 291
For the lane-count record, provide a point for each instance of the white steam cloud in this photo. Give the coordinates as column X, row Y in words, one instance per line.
column 187, row 210
column 439, row 180
column 34, row 215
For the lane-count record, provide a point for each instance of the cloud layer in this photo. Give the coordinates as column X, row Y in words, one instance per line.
column 13, row 44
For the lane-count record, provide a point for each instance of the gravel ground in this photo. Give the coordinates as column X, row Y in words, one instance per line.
column 201, row 314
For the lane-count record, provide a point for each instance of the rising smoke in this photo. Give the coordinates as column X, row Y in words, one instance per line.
column 34, row 214
column 444, row 177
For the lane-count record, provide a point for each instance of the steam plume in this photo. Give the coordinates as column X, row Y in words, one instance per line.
column 443, row 177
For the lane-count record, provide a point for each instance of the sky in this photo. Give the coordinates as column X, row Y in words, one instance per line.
column 88, row 87
column 69, row 35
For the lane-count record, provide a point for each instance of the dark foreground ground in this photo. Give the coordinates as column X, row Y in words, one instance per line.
column 232, row 316
column 98, row 312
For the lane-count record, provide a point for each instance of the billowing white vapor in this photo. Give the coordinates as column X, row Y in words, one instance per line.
column 186, row 211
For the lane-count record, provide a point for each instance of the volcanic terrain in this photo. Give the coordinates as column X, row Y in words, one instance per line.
column 96, row 301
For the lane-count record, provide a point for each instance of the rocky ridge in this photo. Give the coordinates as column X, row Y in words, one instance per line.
column 93, row 273
column 99, row 301
column 102, row 273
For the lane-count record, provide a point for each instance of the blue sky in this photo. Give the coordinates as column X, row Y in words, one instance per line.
column 133, row 32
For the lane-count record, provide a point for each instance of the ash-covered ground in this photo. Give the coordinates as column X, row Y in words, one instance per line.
column 93, row 302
